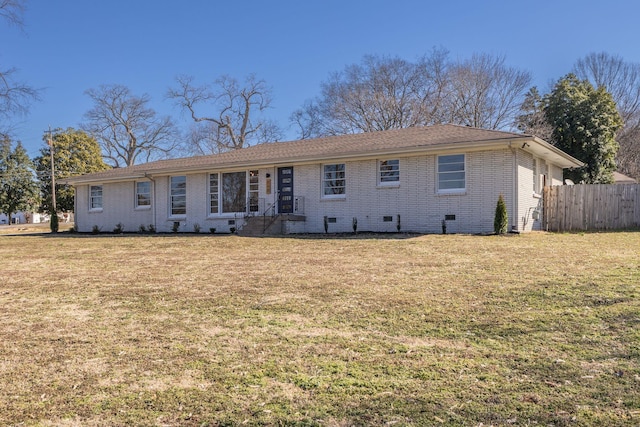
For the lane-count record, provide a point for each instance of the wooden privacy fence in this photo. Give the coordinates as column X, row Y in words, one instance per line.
column 591, row 207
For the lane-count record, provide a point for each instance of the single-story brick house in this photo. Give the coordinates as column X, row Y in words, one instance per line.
column 416, row 179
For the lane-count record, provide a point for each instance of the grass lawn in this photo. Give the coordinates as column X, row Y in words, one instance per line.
column 537, row 329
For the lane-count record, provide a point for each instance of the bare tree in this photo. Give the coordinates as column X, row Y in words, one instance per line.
column 378, row 94
column 485, row 93
column 12, row 11
column 622, row 81
column 387, row 93
column 532, row 119
column 15, row 96
column 126, row 128
column 309, row 120
column 230, row 121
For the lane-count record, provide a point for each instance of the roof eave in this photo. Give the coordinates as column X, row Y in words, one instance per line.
column 554, row 154
column 88, row 179
column 297, row 160
column 529, row 143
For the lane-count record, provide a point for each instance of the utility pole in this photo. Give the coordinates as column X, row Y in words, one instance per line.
column 54, row 209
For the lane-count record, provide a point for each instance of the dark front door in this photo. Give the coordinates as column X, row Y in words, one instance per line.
column 285, row 190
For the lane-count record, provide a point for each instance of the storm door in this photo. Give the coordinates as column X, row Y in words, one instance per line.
column 285, row 190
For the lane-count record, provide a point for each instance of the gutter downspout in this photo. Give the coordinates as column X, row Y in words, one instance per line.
column 75, row 208
column 146, row 175
column 514, row 214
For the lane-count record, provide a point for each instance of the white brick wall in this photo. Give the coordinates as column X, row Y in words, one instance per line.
column 415, row 199
column 530, row 204
column 117, row 207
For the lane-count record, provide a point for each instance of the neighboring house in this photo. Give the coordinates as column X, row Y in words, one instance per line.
column 414, row 179
column 22, row 218
column 619, row 178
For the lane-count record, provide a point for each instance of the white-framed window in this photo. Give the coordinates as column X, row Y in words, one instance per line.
column 143, row 194
column 334, row 180
column 214, row 192
column 95, row 197
column 254, row 187
column 451, row 173
column 539, row 176
column 178, row 195
column 389, row 172
column 228, row 192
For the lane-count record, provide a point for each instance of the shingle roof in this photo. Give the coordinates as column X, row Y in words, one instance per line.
column 320, row 149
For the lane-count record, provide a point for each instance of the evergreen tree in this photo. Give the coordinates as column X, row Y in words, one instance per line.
column 18, row 187
column 584, row 122
column 74, row 153
column 501, row 218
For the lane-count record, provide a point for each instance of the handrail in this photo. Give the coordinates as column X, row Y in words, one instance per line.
column 264, row 217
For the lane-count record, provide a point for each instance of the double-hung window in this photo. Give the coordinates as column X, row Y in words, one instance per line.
column 178, row 195
column 451, row 173
column 95, row 197
column 389, row 172
column 143, row 194
column 334, row 180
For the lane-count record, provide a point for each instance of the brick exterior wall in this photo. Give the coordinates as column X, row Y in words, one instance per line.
column 415, row 199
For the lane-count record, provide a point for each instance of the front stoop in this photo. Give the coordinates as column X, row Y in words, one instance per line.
column 255, row 226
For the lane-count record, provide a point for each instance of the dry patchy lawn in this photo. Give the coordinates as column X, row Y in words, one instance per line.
column 537, row 329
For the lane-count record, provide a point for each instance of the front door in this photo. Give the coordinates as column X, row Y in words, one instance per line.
column 285, row 190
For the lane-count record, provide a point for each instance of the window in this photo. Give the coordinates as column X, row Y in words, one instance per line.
column 253, row 191
column 333, row 180
column 388, row 172
column 539, row 176
column 228, row 192
column 451, row 173
column 178, row 195
column 214, row 205
column 143, row 194
column 95, row 197
column 234, row 192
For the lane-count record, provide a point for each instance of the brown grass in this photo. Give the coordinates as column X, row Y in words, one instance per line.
column 400, row 330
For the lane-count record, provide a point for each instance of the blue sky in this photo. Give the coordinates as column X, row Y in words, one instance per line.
column 69, row 46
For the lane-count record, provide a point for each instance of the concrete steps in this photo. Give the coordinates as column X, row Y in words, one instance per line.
column 255, row 226
column 267, row 226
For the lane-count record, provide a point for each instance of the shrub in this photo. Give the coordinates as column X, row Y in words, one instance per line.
column 212, row 230
column 119, row 228
column 95, row 229
column 175, row 227
column 196, row 228
column 354, row 224
column 142, row 229
column 501, row 218
column 151, row 228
